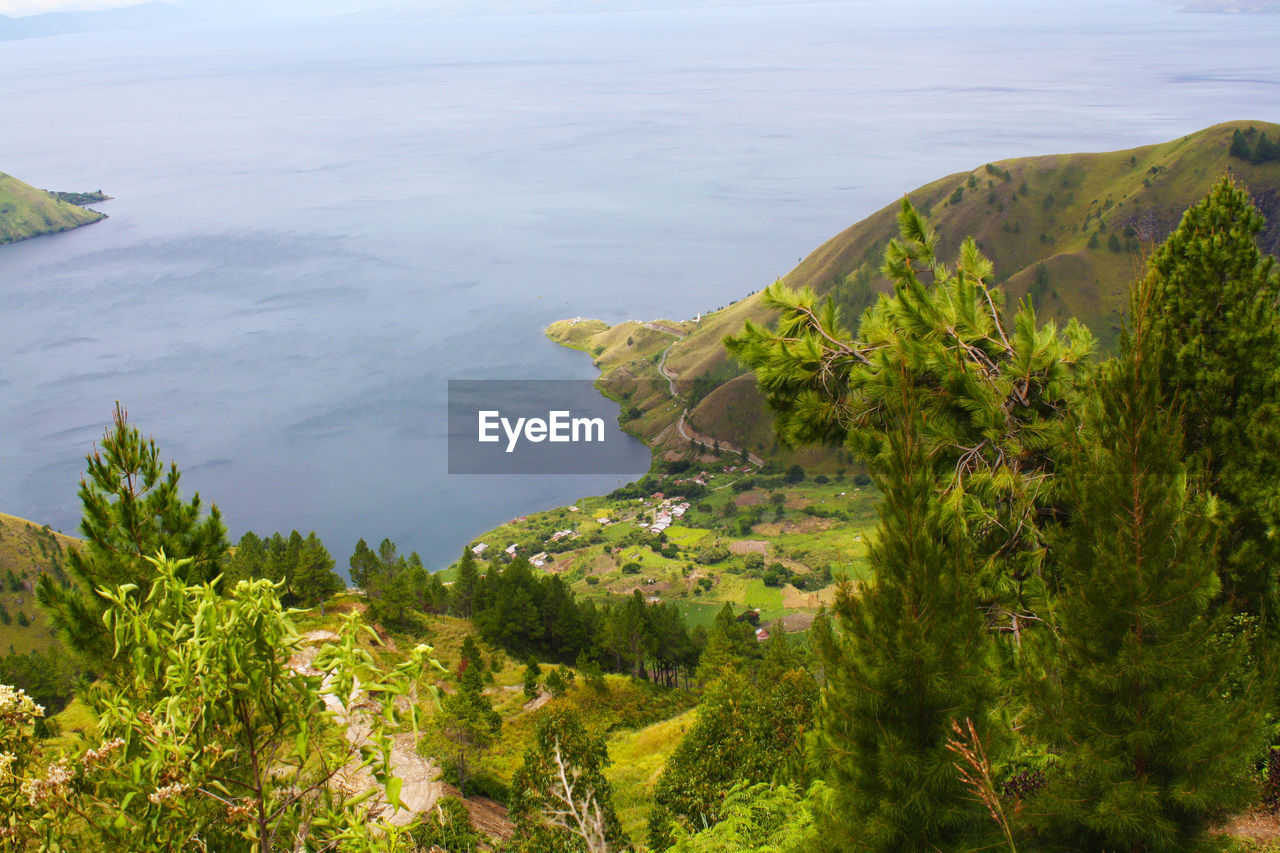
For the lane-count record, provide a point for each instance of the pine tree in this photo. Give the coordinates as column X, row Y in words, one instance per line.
column 1240, row 146
column 132, row 512
column 532, row 670
column 275, row 566
column 248, row 559
column 993, row 389
column 464, row 586
column 1151, row 716
column 470, row 656
column 730, row 644
column 1215, row 329
column 363, row 563
column 911, row 660
column 314, row 579
column 466, row 725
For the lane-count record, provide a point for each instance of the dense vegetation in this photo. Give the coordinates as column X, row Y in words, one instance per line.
column 1064, row 638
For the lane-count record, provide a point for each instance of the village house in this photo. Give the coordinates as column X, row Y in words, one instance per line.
column 480, row 549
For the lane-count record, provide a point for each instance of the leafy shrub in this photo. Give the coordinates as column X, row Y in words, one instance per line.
column 711, row 554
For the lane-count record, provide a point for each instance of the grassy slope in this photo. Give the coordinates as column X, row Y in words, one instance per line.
column 1041, row 216
column 641, row 723
column 638, row 757
column 28, row 212
column 28, row 550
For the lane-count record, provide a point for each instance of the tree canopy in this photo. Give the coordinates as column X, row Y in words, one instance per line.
column 132, row 511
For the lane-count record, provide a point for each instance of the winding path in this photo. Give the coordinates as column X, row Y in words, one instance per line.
column 687, row 432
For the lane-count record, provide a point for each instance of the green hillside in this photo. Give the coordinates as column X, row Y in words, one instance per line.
column 28, row 212
column 26, row 551
column 1067, row 230
column 729, row 536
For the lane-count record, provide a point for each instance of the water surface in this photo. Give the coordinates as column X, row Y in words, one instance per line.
column 317, row 224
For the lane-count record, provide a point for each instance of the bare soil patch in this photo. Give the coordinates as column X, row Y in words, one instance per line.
column 538, row 701
column 792, row 597
column 795, row 622
column 749, row 546
column 1262, row 826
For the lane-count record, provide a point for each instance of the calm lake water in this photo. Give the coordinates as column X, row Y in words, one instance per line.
column 316, row 225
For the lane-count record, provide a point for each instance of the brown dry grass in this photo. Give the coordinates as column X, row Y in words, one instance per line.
column 749, row 546
column 1261, row 827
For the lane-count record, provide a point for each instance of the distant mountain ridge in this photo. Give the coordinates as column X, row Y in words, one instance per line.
column 1270, row 7
column 1067, row 230
column 466, row 8
column 61, row 23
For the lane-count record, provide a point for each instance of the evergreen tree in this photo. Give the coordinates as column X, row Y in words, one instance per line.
column 418, row 580
column 247, row 560
column 1133, row 690
column 289, row 562
column 507, row 607
column 435, row 596
column 911, row 660
column 471, row 656
column 556, row 685
column 363, row 562
column 626, row 630
column 1215, row 330
column 466, row 725
column 1240, row 146
column 993, row 389
column 132, row 511
column 313, row 577
column 392, row 585
column 561, row 801
column 730, row 644
column 464, row 586
column 532, row 670
column 275, row 567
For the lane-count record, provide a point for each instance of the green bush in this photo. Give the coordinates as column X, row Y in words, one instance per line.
column 711, row 554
